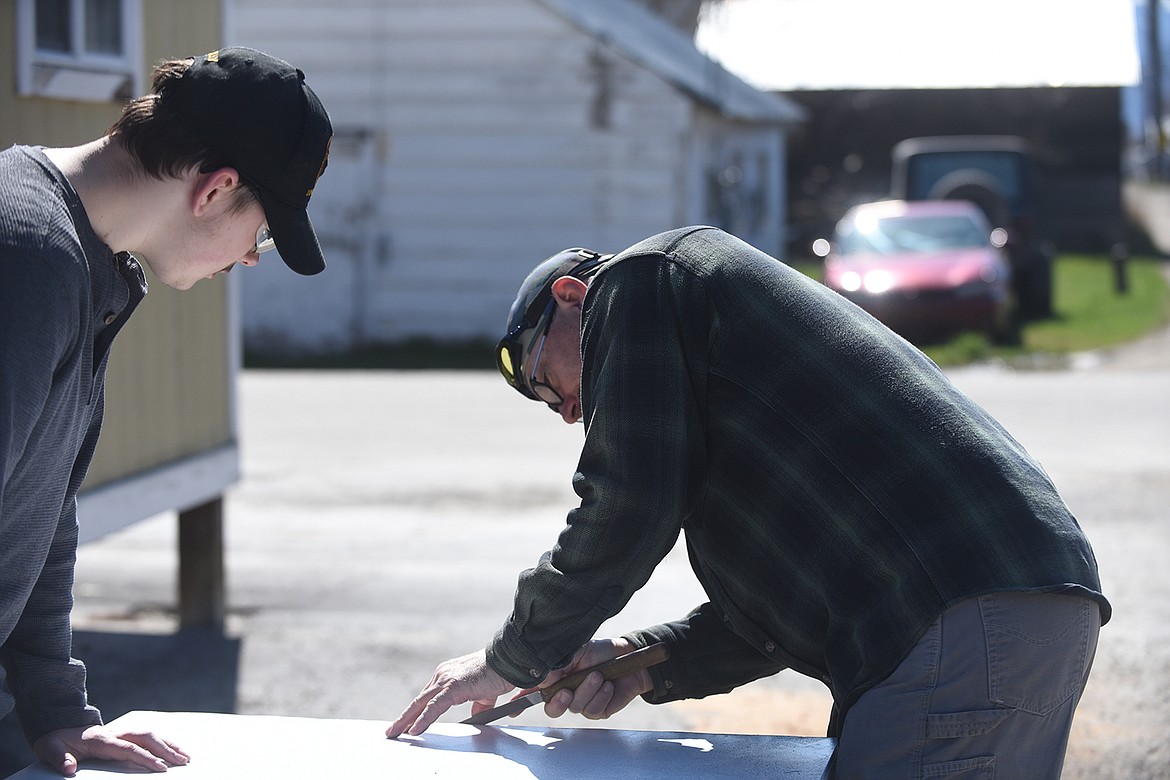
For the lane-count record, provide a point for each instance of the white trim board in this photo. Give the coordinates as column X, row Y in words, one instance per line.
column 178, row 485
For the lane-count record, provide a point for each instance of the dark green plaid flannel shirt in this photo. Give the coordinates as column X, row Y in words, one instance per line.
column 836, row 490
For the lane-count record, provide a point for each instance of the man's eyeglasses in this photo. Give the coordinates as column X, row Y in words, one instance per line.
column 264, row 241
column 511, row 352
column 544, row 391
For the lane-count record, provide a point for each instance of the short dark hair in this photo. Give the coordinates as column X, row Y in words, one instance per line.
column 163, row 144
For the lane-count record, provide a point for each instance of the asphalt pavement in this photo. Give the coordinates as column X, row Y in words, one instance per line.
column 383, row 516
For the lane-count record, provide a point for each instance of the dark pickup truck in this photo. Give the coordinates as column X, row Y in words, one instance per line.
column 1000, row 175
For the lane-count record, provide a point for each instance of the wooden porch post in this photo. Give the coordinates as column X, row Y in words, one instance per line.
column 201, row 567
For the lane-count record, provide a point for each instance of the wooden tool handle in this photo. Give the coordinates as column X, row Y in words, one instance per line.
column 613, row 668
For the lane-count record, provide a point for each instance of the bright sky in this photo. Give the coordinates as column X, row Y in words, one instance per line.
column 849, row 44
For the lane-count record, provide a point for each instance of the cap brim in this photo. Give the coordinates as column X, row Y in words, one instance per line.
column 294, row 235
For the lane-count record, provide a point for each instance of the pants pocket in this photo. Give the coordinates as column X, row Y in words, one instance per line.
column 1036, row 657
column 981, row 768
column 953, row 725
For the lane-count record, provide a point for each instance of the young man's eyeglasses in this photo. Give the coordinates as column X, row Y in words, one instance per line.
column 264, row 241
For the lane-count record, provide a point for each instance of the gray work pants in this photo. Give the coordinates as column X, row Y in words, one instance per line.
column 988, row 692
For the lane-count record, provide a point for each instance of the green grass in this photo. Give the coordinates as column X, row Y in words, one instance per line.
column 1089, row 314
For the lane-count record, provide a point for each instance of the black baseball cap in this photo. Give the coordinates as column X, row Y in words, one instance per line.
column 258, row 114
column 532, row 310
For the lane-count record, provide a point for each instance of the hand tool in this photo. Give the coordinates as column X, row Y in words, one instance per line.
column 610, row 670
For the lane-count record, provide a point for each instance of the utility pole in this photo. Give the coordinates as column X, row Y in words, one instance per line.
column 1154, row 87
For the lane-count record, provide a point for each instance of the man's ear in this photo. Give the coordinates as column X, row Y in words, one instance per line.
column 569, row 291
column 213, row 185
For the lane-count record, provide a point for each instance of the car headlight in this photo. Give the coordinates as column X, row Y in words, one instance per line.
column 878, row 281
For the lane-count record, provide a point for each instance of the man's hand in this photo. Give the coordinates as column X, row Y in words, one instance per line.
column 459, row 680
column 64, row 748
column 597, row 698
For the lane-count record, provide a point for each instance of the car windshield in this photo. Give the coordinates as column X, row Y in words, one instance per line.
column 895, row 235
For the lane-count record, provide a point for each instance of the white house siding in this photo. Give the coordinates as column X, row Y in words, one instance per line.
column 474, row 138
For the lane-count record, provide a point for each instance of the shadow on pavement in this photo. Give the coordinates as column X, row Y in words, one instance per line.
column 191, row 671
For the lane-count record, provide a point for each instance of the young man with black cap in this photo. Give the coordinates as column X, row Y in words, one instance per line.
column 214, row 167
column 850, row 514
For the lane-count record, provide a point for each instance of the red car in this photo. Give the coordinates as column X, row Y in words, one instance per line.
column 924, row 268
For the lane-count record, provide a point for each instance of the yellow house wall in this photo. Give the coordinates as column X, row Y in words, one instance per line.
column 168, row 383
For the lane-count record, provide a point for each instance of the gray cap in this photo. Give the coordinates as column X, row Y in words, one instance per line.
column 533, row 307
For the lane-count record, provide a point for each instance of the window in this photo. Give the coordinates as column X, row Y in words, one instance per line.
column 79, row 49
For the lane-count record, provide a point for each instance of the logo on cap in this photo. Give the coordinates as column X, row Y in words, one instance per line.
column 321, row 170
